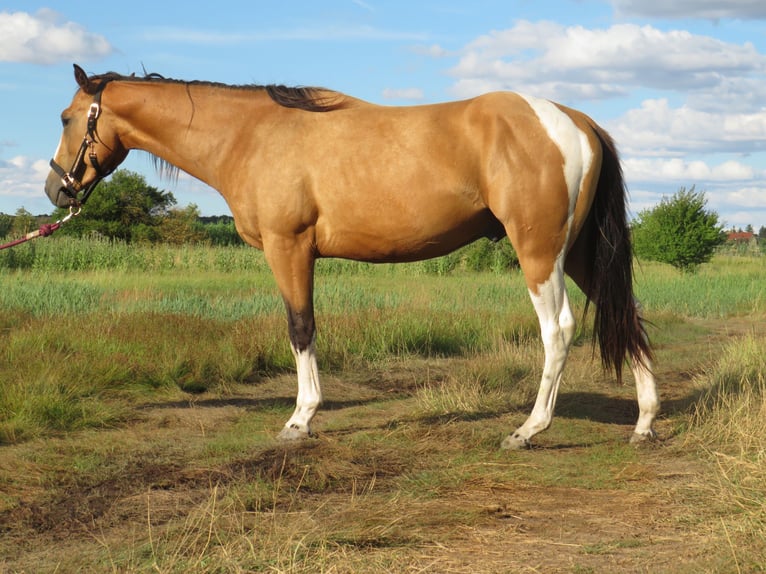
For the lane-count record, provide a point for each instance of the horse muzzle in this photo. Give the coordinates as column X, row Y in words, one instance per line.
column 57, row 191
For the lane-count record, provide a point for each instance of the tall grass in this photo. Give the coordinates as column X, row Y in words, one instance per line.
column 727, row 425
column 97, row 253
column 86, row 370
column 727, row 286
column 79, row 347
column 730, row 285
column 75, row 254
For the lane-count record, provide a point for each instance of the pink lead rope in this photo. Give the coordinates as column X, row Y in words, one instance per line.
column 45, row 230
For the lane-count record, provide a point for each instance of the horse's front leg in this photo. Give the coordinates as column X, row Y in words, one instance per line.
column 292, row 262
column 302, row 343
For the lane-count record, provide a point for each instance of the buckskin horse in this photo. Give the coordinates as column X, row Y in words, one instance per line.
column 309, row 173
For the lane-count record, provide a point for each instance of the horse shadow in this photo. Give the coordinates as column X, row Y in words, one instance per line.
column 596, row 407
column 252, row 404
column 604, row 408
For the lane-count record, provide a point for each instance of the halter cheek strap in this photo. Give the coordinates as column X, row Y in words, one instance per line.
column 72, row 179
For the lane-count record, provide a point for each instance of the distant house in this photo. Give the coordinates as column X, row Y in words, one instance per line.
column 743, row 243
column 740, row 237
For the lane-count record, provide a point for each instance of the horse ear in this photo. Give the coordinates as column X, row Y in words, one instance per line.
column 82, row 79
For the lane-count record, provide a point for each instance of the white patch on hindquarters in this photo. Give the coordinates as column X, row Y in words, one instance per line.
column 571, row 141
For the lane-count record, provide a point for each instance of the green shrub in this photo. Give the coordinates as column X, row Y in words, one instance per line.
column 678, row 231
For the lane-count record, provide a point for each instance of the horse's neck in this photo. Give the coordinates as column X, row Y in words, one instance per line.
column 190, row 127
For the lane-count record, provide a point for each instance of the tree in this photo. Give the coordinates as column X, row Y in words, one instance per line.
column 180, row 226
column 123, row 207
column 220, row 230
column 6, row 223
column 23, row 222
column 678, row 231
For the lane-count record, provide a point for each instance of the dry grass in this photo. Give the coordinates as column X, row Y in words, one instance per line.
column 728, row 426
column 491, row 382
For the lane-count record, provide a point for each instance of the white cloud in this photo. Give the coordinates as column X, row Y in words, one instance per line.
column 657, row 128
column 575, row 63
column 403, row 94
column 738, row 206
column 749, row 197
column 44, row 38
column 741, row 219
column 704, row 9
column 683, row 171
column 23, row 177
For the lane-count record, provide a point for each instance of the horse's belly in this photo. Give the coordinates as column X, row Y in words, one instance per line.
column 399, row 238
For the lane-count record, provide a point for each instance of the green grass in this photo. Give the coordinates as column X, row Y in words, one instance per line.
column 728, row 286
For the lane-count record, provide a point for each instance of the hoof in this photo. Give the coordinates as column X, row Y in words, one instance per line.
column 515, row 442
column 643, row 438
column 293, row 434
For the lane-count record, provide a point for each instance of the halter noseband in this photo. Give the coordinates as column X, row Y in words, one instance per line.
column 72, row 179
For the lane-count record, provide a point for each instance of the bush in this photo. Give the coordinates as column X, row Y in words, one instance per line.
column 678, row 231
column 222, row 233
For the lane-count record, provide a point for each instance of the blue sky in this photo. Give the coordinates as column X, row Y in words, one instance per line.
column 680, row 85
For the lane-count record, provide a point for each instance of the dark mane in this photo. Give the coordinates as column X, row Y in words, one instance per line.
column 305, row 98
column 310, row 99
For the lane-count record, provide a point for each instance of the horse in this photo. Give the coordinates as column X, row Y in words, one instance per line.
column 310, row 173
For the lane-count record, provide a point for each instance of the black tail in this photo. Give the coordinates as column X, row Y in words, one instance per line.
column 618, row 326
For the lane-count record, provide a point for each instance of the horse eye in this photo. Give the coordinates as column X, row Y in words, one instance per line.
column 64, row 121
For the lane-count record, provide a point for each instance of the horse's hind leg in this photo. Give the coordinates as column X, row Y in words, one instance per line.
column 648, row 399
column 557, row 327
column 648, row 402
column 578, row 261
column 292, row 263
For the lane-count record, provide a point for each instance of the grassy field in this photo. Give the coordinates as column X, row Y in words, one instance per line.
column 143, row 388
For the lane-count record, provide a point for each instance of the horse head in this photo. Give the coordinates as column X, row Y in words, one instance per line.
column 89, row 144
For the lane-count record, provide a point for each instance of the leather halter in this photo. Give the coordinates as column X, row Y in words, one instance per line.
column 71, row 180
